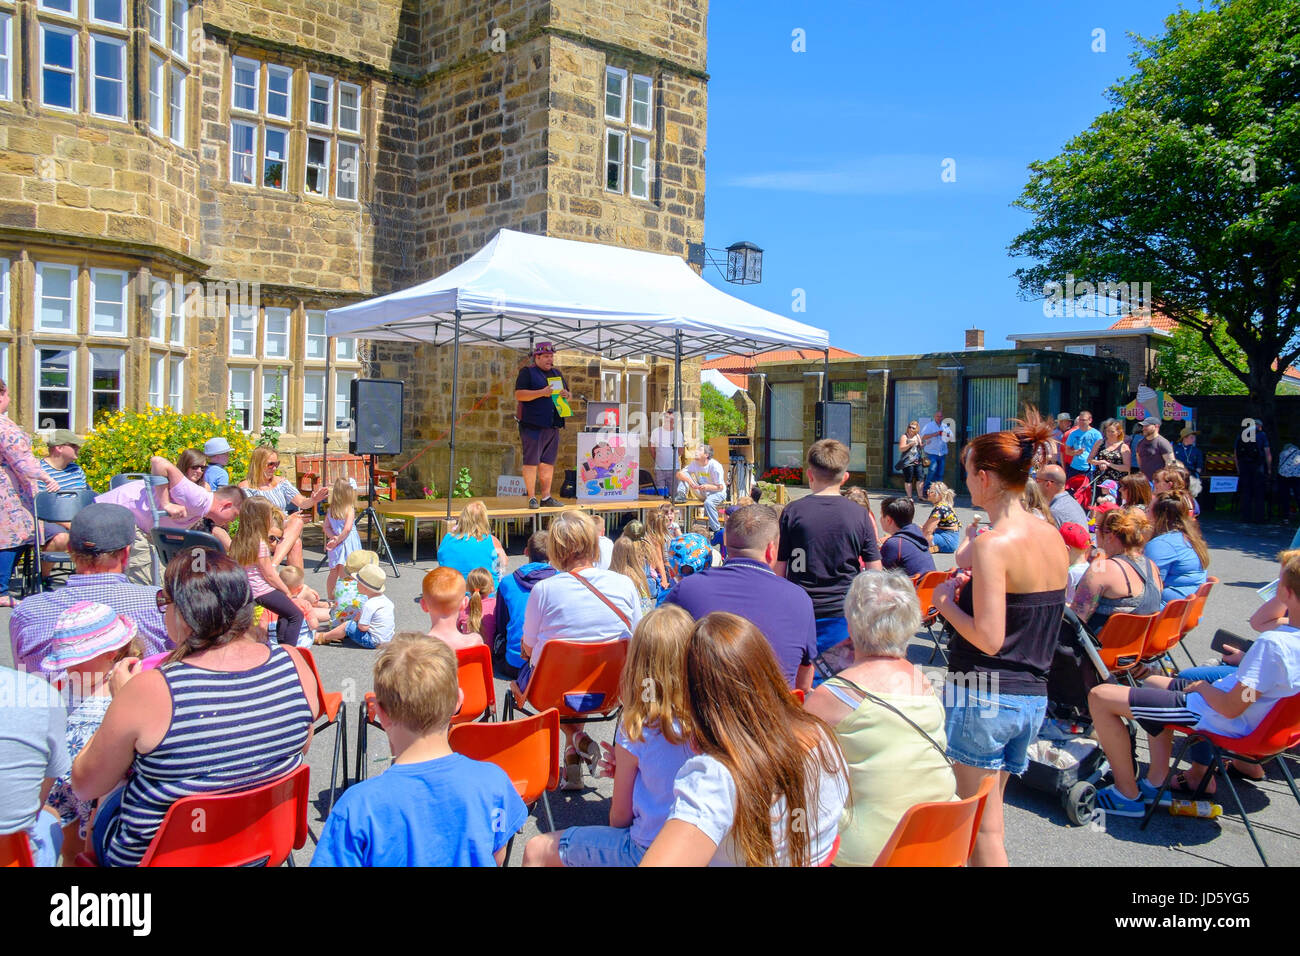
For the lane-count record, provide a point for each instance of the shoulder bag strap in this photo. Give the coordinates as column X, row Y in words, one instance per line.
column 608, row 603
column 888, row 706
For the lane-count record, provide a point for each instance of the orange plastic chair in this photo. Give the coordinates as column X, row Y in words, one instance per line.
column 1123, row 641
column 929, row 616
column 798, row 695
column 473, row 674
column 937, row 834
column 1194, row 612
column 1276, row 734
column 528, row 750
column 333, row 713
column 263, row 826
column 569, row 674
column 15, row 849
column 1166, row 631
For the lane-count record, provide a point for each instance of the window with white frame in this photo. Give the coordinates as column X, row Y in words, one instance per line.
column 313, row 401
column 318, row 166
column 241, row 396
column 160, row 294
column 176, row 105
column 629, row 106
column 180, row 17
column 55, row 383
column 345, row 349
column 243, row 150
column 347, row 177
column 108, row 11
column 275, row 384
column 343, row 399
column 108, row 76
column 642, row 102
column 316, row 343
column 157, row 94
column 157, row 375
column 785, row 421
column 157, row 20
column 279, row 92
column 176, row 383
column 167, row 25
column 105, row 383
column 58, row 68
column 275, row 339
column 243, row 330
column 178, row 306
column 246, row 76
column 66, row 7
column 275, row 152
column 107, row 302
column 320, row 100
column 349, row 108
column 56, row 298
column 6, row 56
column 639, row 185
column 4, row 293
column 636, row 396
column 615, row 94
column 614, row 144
column 6, row 372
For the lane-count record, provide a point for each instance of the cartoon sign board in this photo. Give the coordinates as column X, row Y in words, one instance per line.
column 1158, row 404
column 608, row 466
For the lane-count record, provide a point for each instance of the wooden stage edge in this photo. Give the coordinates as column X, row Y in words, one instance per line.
column 502, row 507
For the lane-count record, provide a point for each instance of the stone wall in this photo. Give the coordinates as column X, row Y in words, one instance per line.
column 1138, row 352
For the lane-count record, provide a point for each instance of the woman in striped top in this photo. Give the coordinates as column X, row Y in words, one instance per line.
column 224, row 712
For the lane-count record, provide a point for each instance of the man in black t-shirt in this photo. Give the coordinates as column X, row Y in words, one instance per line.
column 540, row 421
column 826, row 539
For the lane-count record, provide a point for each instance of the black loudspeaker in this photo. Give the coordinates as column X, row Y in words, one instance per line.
column 835, row 420
column 376, row 417
column 569, row 487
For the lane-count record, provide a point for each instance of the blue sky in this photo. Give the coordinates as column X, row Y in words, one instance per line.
column 831, row 159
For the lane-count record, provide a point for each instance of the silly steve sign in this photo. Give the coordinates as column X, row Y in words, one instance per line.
column 78, row 909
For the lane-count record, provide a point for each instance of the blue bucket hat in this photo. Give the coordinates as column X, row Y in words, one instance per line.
column 689, row 551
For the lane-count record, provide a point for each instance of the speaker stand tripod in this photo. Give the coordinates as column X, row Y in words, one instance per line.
column 376, row 520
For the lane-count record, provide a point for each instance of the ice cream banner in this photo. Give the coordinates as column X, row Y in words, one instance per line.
column 1150, row 402
column 608, row 466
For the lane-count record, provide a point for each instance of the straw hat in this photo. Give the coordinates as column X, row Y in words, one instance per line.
column 372, row 576
column 359, row 559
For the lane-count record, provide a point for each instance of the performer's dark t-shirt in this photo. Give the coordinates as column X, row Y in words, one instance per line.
column 539, row 412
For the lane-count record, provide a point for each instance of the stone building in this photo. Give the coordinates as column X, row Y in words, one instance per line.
column 1133, row 339
column 186, row 188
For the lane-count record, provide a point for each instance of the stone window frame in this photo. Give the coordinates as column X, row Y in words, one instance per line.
column 7, row 71
column 630, row 133
column 337, row 138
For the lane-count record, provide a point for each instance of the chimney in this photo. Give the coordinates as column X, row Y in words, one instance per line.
column 975, row 340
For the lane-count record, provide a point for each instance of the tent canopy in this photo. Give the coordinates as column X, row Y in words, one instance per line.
column 614, row 302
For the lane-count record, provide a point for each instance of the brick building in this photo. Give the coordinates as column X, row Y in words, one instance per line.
column 186, row 188
column 1133, row 339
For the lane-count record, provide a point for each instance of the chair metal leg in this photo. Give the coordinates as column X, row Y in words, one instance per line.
column 334, row 768
column 1190, row 658
column 362, row 735
column 343, row 730
column 1187, row 742
column 550, row 820
column 1290, row 781
column 1241, row 808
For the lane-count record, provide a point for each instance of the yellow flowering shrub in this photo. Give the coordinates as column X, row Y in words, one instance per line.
column 125, row 441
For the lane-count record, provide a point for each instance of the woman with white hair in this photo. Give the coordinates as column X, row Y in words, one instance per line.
column 886, row 715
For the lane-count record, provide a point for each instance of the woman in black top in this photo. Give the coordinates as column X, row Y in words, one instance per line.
column 1007, row 614
column 1112, row 454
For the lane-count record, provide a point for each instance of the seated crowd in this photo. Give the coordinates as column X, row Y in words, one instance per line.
column 726, row 732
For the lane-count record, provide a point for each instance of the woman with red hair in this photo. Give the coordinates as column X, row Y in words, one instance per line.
column 1007, row 613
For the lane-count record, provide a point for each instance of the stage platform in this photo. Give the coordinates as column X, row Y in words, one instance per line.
column 503, row 510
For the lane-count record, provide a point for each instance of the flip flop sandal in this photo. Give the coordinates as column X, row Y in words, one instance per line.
column 572, row 779
column 1183, row 788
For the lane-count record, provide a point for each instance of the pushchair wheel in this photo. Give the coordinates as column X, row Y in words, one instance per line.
column 1080, row 801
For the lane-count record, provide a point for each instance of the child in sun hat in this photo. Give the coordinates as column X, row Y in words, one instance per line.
column 378, row 621
column 90, row 641
column 687, row 554
column 217, row 452
column 346, row 599
column 1078, row 543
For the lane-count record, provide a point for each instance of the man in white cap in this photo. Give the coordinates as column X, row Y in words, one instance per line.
column 217, row 451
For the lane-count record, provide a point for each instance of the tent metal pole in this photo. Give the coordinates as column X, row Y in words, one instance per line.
column 677, row 413
column 327, row 416
column 455, row 394
column 826, row 375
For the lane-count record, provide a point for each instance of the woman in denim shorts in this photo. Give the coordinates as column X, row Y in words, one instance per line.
column 1007, row 613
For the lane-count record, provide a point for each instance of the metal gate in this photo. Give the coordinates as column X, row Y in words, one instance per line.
column 989, row 403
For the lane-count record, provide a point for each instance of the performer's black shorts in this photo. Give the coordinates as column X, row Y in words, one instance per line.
column 541, row 445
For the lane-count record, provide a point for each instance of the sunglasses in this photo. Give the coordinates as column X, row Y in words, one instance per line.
column 274, row 538
column 162, row 599
column 272, row 464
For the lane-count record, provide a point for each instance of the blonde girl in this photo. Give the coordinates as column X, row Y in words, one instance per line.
column 480, row 616
column 627, row 560
column 650, row 746
column 472, row 544
column 1035, row 502
column 341, row 526
column 943, row 527
column 252, row 549
column 663, row 528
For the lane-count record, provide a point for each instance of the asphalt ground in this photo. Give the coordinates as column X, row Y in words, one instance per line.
column 1038, row 832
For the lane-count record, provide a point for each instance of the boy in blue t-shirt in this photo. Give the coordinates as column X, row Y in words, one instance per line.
column 432, row 807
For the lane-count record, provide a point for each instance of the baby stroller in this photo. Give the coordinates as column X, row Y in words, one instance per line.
column 1065, row 760
column 1080, row 489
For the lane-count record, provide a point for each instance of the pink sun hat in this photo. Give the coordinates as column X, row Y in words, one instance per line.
column 85, row 630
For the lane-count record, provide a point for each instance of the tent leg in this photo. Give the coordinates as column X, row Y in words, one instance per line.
column 677, row 414
column 455, row 393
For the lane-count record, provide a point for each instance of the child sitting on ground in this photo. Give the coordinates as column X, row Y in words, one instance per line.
column 432, row 807
column 315, row 612
column 442, row 597
column 89, row 641
column 479, row 616
column 345, row 599
column 378, row 620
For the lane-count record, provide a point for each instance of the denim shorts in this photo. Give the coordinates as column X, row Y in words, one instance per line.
column 358, row 636
column 599, row 846
column 992, row 731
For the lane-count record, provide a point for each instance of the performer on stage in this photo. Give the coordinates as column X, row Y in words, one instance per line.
column 541, row 391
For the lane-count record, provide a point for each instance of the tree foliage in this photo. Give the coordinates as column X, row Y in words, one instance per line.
column 1186, row 366
column 1191, row 182
column 721, row 416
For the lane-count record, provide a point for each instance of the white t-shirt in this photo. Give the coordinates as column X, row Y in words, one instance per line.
column 561, row 608
column 704, row 795
column 661, row 440
column 606, row 552
column 657, row 765
column 709, row 473
column 932, row 435
column 380, row 616
column 1076, row 572
column 1271, row 667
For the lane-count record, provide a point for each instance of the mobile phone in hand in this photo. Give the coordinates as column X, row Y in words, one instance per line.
column 1223, row 638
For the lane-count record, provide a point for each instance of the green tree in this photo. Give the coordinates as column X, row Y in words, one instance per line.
column 1185, row 365
column 721, row 416
column 1191, row 182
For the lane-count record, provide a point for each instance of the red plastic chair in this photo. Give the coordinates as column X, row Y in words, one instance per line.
column 1123, row 640
column 937, row 834
column 528, row 750
column 333, row 713
column 263, row 825
column 568, row 673
column 1166, row 631
column 473, row 675
column 15, row 849
column 1277, row 733
column 925, row 586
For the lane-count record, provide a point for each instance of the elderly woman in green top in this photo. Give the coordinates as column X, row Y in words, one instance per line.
column 887, row 717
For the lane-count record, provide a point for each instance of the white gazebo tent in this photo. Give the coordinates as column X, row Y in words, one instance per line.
column 614, row 302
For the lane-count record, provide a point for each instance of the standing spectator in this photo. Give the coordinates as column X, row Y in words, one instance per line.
column 1288, row 474
column 906, row 546
column 1007, row 614
column 1111, row 454
column 909, row 459
column 217, row 451
column 943, row 527
column 1154, row 450
column 745, row 585
column 34, row 754
column 18, row 469
column 667, row 442
column 1254, row 461
column 1064, row 425
column 705, row 478
column 512, row 598
column 61, row 462
column 1192, row 457
column 540, row 422
column 826, row 540
column 1079, row 445
column 1063, row 505
column 263, row 482
column 100, row 540
column 935, row 447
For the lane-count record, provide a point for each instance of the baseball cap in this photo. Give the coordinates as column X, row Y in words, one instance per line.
column 64, row 436
column 541, row 347
column 1064, row 417
column 1150, row 420
column 85, row 630
column 216, row 446
column 372, row 576
column 100, row 528
column 1075, row 535
column 689, row 551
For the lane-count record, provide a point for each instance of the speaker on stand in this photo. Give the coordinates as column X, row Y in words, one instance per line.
column 376, row 430
column 834, row 420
